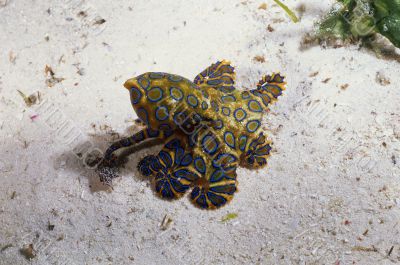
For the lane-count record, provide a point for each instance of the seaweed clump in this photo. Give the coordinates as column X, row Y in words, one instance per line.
column 362, row 20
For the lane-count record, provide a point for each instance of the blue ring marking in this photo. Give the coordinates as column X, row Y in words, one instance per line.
column 214, row 82
column 214, row 105
column 178, row 186
column 230, row 171
column 200, row 165
column 163, row 187
column 215, row 199
column 227, row 89
column 266, row 78
column 226, row 111
column 226, row 189
column 235, row 114
column 245, row 95
column 136, row 95
column 261, row 161
column 257, row 108
column 217, row 175
column 179, row 152
column 154, row 89
column 204, row 93
column 278, row 78
column 189, row 99
column 155, row 165
column 265, row 150
column 264, row 97
column 218, row 124
column 156, row 75
column 223, row 160
column 185, row 174
column 195, row 192
column 176, row 90
column 174, row 78
column 226, row 135
column 242, row 142
column 144, row 165
column 160, row 176
column 258, row 123
column 165, row 158
column 142, row 114
column 186, row 160
column 267, row 87
column 215, row 72
column 227, row 79
column 201, row 201
column 228, row 99
column 143, row 82
column 204, row 105
column 253, row 144
column 159, row 114
column 206, row 141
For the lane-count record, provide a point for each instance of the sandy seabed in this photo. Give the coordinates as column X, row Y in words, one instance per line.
column 331, row 192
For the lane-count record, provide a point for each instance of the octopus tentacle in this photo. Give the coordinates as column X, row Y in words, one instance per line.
column 143, row 135
column 220, row 76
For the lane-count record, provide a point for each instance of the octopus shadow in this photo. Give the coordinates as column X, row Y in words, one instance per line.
column 86, row 156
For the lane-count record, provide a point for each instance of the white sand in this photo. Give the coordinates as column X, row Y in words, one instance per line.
column 331, row 192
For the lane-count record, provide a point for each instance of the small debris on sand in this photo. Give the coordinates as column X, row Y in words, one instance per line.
column 82, row 14
column 166, row 222
column 12, row 57
column 259, row 58
column 32, row 99
column 390, row 251
column 33, row 117
column 52, row 79
column 344, row 87
column 28, row 251
column 326, row 80
column 50, row 226
column 229, row 217
column 263, row 6
column 365, row 249
column 99, row 21
column 382, row 79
